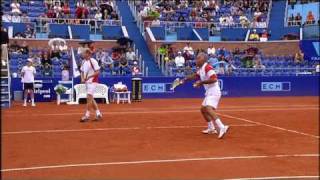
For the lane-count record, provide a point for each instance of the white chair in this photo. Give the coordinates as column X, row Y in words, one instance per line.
column 102, row 91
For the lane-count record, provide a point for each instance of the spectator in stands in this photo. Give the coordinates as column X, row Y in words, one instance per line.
column 317, row 68
column 29, row 33
column 15, row 48
column 50, row 12
column 254, row 36
column 291, row 20
column 213, row 60
column 6, row 17
column 116, row 55
column 15, row 18
column 35, row 59
column 251, row 52
column 65, row 73
column 47, row 70
column 299, row 57
column 135, row 69
column 130, row 55
column 57, row 9
column 98, row 15
column 211, row 50
column 244, row 21
column 15, row 7
column 258, row 64
column 264, row 36
column 124, row 65
column 4, row 46
column 24, row 49
column 45, row 58
column 310, row 18
column 179, row 60
column 25, row 18
column 298, row 19
column 66, row 9
column 106, row 60
column 19, row 35
column 188, row 52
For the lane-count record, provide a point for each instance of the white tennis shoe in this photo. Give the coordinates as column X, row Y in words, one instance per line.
column 223, row 131
column 210, row 131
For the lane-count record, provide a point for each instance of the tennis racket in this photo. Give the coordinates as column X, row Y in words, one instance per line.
column 176, row 83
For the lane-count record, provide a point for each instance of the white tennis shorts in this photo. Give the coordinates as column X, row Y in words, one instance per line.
column 211, row 100
column 91, row 87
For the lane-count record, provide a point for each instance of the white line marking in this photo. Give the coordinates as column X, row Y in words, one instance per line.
column 268, row 125
column 157, row 161
column 110, row 129
column 277, row 177
column 161, row 112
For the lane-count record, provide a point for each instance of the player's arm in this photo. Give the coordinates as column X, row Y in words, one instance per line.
column 193, row 76
column 96, row 73
column 213, row 78
column 22, row 72
column 82, row 77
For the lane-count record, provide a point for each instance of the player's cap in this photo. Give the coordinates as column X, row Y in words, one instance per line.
column 29, row 60
column 179, row 52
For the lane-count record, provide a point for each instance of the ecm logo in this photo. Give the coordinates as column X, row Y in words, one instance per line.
column 275, row 86
column 154, row 87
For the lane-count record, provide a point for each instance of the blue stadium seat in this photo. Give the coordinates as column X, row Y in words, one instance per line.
column 80, row 31
column 111, row 32
column 58, row 30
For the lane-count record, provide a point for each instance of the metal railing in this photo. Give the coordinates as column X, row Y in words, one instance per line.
column 250, row 71
column 41, row 23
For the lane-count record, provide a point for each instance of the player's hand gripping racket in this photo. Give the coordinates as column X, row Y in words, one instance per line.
column 176, row 83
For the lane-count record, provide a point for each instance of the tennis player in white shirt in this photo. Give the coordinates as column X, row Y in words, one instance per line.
column 27, row 78
column 207, row 77
column 90, row 70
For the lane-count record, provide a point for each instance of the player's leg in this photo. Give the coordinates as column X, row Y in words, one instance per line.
column 211, row 128
column 212, row 104
column 32, row 94
column 92, row 88
column 25, row 94
column 85, row 118
column 96, row 108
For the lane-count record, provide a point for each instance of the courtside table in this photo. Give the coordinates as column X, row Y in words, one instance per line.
column 123, row 96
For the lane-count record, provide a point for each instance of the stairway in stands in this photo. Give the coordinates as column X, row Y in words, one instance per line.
column 276, row 21
column 135, row 35
column 5, row 84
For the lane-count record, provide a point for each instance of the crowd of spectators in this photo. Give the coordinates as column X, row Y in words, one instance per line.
column 120, row 60
column 232, row 12
column 255, row 36
column 223, row 60
column 63, row 9
column 296, row 20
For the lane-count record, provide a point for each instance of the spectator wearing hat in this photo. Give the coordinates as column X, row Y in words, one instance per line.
column 27, row 78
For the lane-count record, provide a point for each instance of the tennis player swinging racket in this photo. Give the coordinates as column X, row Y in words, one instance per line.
column 207, row 77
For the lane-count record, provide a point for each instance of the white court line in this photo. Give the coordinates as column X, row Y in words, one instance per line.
column 162, row 112
column 222, row 108
column 268, row 125
column 158, row 161
column 111, row 129
column 277, row 177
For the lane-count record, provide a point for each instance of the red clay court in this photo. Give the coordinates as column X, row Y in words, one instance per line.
column 269, row 138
